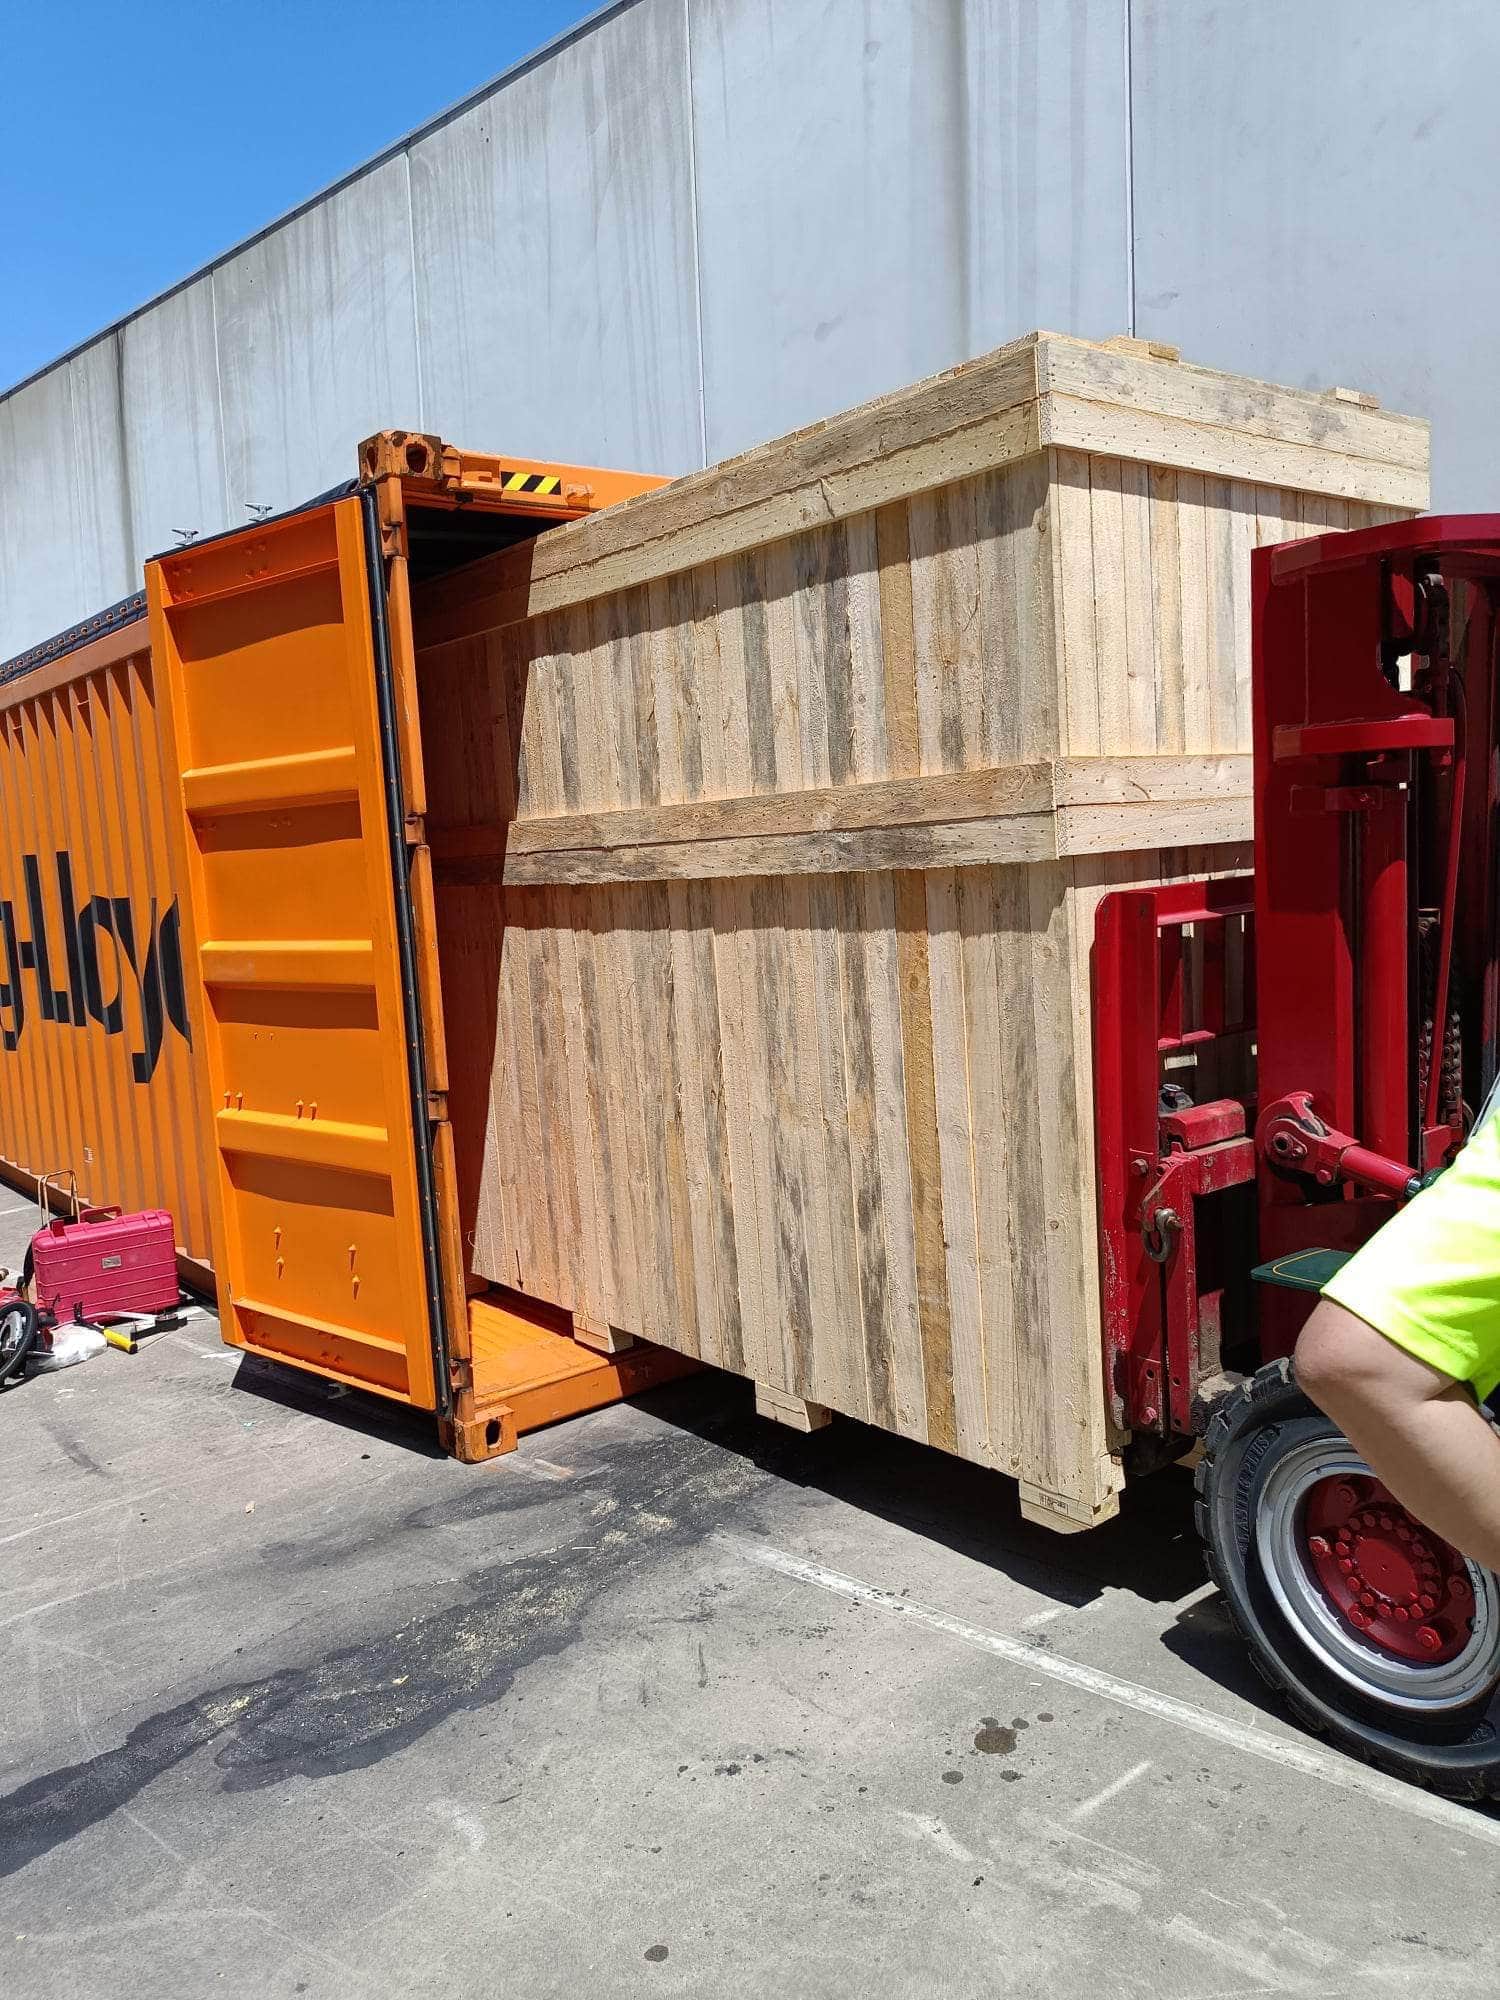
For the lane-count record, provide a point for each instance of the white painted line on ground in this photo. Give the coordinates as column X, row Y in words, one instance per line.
column 46, row 1526
column 1240, row 1957
column 21, row 1208
column 1126, row 1778
column 1043, row 1617
column 1329, row 1767
column 1200, row 1594
column 926, row 1826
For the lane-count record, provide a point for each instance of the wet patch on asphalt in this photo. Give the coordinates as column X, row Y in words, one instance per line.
column 356, row 1704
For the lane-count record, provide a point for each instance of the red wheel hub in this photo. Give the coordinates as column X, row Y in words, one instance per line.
column 1394, row 1581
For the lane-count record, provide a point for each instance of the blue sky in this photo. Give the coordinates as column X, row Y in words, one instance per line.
column 143, row 139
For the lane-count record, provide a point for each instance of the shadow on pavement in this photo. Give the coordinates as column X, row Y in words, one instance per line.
column 1151, row 1549
column 368, row 1416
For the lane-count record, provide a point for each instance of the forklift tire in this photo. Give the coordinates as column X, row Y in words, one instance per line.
column 19, row 1324
column 1274, row 1471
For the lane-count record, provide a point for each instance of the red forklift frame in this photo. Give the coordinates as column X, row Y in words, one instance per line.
column 1321, row 1033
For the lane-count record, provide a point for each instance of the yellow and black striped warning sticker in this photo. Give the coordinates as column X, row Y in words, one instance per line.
column 529, row 482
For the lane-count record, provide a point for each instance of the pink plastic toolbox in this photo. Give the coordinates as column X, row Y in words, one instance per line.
column 106, row 1262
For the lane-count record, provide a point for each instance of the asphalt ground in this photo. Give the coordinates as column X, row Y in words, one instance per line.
column 668, row 1702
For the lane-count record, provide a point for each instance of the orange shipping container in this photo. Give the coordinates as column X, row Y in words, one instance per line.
column 224, row 986
column 95, row 1064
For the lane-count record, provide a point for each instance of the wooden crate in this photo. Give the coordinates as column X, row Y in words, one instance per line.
column 771, row 855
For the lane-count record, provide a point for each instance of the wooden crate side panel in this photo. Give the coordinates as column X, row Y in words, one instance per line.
column 748, row 1132
column 1071, row 603
column 901, row 643
column 1151, row 571
column 835, row 1134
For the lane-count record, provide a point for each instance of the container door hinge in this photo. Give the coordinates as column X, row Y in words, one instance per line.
column 390, row 505
column 415, row 829
column 437, row 1107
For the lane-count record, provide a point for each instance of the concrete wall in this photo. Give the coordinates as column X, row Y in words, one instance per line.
column 1314, row 203
column 695, row 224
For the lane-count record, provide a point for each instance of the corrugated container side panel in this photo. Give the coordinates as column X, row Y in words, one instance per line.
column 116, row 868
column 95, row 1066
column 180, row 1113
column 91, row 772
column 18, row 1101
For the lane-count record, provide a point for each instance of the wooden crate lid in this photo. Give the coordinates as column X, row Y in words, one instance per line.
column 1120, row 398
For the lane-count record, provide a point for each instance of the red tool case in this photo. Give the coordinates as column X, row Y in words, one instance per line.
column 106, row 1262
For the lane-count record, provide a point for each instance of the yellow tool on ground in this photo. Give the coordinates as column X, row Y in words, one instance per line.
column 126, row 1330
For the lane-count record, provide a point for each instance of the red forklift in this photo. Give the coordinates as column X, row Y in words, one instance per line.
column 1281, row 1061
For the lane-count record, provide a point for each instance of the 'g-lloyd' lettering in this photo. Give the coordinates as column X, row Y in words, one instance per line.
column 145, row 959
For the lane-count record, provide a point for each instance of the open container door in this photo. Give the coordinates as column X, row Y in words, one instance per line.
column 283, row 754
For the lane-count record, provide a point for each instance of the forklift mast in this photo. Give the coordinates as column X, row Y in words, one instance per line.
column 1281, row 1060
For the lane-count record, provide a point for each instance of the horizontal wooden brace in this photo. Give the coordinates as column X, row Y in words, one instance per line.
column 1038, row 811
column 1113, row 430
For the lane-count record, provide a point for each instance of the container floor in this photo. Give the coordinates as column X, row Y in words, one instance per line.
column 525, row 1355
column 665, row 1702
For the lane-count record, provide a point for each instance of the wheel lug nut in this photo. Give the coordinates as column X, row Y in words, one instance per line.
column 1429, row 1604
column 1429, row 1639
column 1387, row 1522
column 1403, row 1532
column 1458, row 1586
column 1401, row 1612
column 1317, row 1546
column 1358, row 1617
column 1367, row 1599
column 1346, row 1566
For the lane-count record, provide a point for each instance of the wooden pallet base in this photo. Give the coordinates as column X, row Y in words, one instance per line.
column 1063, row 1514
column 794, row 1411
column 603, row 1338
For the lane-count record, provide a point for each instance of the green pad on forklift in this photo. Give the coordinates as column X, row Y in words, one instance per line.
column 1304, row 1271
